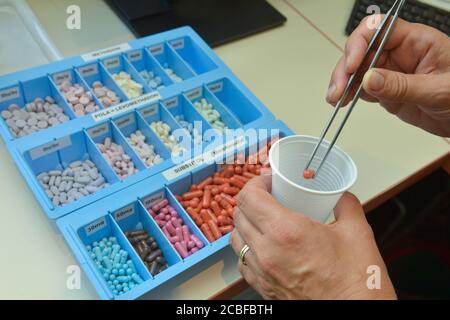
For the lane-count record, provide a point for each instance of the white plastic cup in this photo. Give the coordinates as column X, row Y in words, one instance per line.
column 317, row 197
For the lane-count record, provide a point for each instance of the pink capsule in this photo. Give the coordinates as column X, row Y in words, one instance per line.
column 176, row 223
column 156, row 207
column 191, row 245
column 184, row 245
column 167, row 217
column 194, row 250
column 164, row 210
column 181, row 250
column 160, row 223
column 174, row 214
column 170, row 228
column 168, row 235
column 179, row 233
column 152, row 213
column 174, row 240
column 164, row 203
column 186, row 233
column 197, row 241
column 161, row 216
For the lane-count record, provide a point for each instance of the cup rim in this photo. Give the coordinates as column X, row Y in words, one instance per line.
column 317, row 192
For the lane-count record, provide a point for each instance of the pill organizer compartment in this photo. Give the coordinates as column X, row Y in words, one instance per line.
column 97, row 72
column 133, row 121
column 142, row 60
column 26, row 92
column 157, row 112
column 165, row 193
column 119, row 63
column 135, row 217
column 95, row 231
column 108, row 129
column 168, row 58
column 182, row 109
column 58, row 155
column 194, row 56
column 236, row 102
column 73, row 77
column 203, row 92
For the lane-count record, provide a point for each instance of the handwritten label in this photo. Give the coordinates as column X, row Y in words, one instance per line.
column 126, row 106
column 89, row 70
column 194, row 94
column 124, row 212
column 112, row 62
column 125, row 121
column 50, row 147
column 9, row 94
column 135, row 55
column 98, row 131
column 95, row 226
column 156, row 50
column 62, row 76
column 149, row 111
column 171, row 103
column 216, row 87
column 177, row 44
column 105, row 52
column 153, row 199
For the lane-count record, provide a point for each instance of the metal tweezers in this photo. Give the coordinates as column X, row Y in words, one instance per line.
column 354, row 85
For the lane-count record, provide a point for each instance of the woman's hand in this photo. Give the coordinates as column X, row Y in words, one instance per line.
column 412, row 78
column 293, row 257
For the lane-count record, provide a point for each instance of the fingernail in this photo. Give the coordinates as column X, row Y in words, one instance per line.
column 374, row 80
column 331, row 92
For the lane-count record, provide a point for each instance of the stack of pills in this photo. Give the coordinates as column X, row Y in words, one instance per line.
column 131, row 88
column 162, row 129
column 211, row 203
column 80, row 101
column 210, row 114
column 189, row 127
column 37, row 115
column 78, row 180
column 148, row 251
column 173, row 227
column 106, row 96
column 117, row 158
column 113, row 262
column 151, row 80
column 172, row 75
column 145, row 151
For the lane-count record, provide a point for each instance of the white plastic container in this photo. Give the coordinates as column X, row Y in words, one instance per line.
column 315, row 198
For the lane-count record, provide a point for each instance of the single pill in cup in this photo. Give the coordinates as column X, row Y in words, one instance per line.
column 317, row 196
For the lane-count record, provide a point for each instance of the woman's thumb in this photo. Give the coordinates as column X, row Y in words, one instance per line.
column 426, row 89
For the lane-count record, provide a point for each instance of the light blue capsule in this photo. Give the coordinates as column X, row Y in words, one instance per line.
column 112, row 277
column 112, row 239
column 107, row 263
column 115, row 282
column 129, row 271
column 106, row 252
column 137, row 278
column 109, row 244
column 126, row 289
column 131, row 285
column 117, row 259
column 95, row 244
column 114, row 251
column 98, row 253
column 121, row 272
column 88, row 248
column 110, row 282
column 123, row 279
column 119, row 287
column 115, row 292
column 131, row 265
column 115, row 271
column 106, row 276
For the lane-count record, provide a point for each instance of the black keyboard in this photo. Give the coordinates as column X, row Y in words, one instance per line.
column 412, row 11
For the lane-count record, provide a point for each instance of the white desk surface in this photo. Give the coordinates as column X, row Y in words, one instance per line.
column 288, row 68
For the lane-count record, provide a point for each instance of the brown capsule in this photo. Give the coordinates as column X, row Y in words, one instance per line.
column 154, row 267
column 152, row 256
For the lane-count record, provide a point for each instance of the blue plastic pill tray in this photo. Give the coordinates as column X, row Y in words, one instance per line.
column 123, row 204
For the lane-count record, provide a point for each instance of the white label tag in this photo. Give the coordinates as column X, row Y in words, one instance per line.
column 207, row 157
column 126, row 106
column 177, row 44
column 156, row 50
column 194, row 94
column 171, row 103
column 62, row 76
column 105, row 52
column 50, row 147
column 149, row 111
column 125, row 121
column 9, row 94
column 124, row 212
column 98, row 131
column 112, row 62
column 135, row 55
column 153, row 199
column 89, row 70
column 216, row 87
column 95, row 226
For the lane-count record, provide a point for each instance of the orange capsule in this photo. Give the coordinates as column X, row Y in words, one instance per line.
column 205, row 182
column 224, row 220
column 226, row 229
column 204, row 215
column 232, row 191
column 194, row 202
column 219, row 180
column 193, row 194
column 207, row 232
column 228, row 172
column 195, row 216
column 235, row 181
column 193, row 187
column 215, row 191
column 224, row 204
column 223, row 186
column 207, row 199
column 238, row 170
column 230, row 212
column 215, row 208
column 214, row 229
column 232, row 201
column 211, row 215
